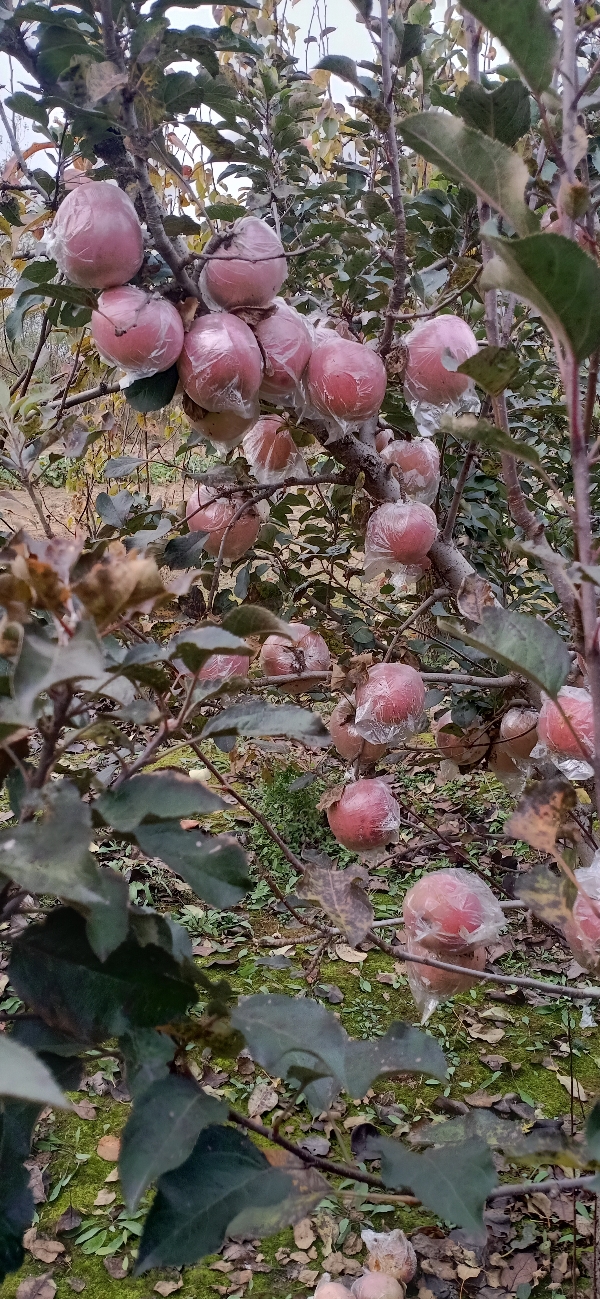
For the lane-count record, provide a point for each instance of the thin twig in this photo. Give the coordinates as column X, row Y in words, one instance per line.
column 452, row 514
column 16, row 148
column 398, row 290
column 439, row 594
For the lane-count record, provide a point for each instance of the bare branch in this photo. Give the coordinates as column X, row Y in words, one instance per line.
column 398, row 291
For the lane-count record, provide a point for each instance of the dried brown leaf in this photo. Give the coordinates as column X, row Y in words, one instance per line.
column 330, row 797
column 543, row 813
column 109, row 1147
column 474, row 595
column 41, row 1247
column 37, row 1287
column 341, row 895
column 549, row 896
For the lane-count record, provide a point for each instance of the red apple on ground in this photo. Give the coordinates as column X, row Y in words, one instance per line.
column 376, row 1285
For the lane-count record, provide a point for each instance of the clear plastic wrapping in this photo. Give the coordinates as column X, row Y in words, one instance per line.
column 222, row 667
column 247, row 270
column 210, row 513
column 419, row 463
column 389, row 704
column 286, row 341
column 141, row 334
column 430, row 986
column 571, row 753
column 465, row 749
column 221, row 366
column 398, row 536
column 391, row 1253
column 222, row 428
column 582, row 932
column 96, row 238
column 306, row 652
column 272, row 453
column 345, row 382
column 366, row 818
column 431, row 389
column 451, row 911
column 349, row 743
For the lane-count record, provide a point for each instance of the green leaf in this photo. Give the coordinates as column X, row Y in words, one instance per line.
column 26, row 106
column 492, row 368
column 122, row 466
column 288, row 1037
column 341, row 66
column 44, row 663
column 503, row 113
column 196, row 645
column 254, row 718
column 10, row 212
column 161, row 1132
column 154, row 393
column 224, row 211
column 54, row 970
column 413, row 39
column 252, row 620
column 453, row 1182
column 186, row 551
column 517, row 1140
column 558, row 279
column 165, row 794
column 214, row 866
column 181, row 225
column 34, row 1033
column 525, row 29
column 522, row 643
column 493, row 172
column 147, row 1055
column 490, row 436
column 222, row 149
column 26, row 1077
column 195, row 1203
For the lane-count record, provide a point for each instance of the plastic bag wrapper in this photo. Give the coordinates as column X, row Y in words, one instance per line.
column 406, row 576
column 419, row 463
column 345, row 383
column 555, row 738
column 389, row 704
column 399, row 535
column 272, row 453
column 432, row 385
column 366, row 818
column 286, row 340
column 221, row 366
column 348, row 742
column 430, row 986
column 246, row 270
column 451, row 911
column 141, row 334
column 391, row 1253
column 210, row 513
column 582, row 932
column 222, row 429
column 307, row 651
column 96, row 238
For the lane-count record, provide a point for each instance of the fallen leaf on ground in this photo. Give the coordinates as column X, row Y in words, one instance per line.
column 168, row 1287
column 304, row 1236
column 115, row 1267
column 520, row 1272
column 41, row 1247
column 307, row 1276
column 70, row 1220
column 355, row 1121
column 37, row 1287
column 113, row 1176
column 76, row 1283
column 465, row 1273
column 84, row 1109
column 349, row 954
column 36, row 1181
column 494, row 1062
column 573, row 1087
column 484, row 1034
column 481, row 1100
column 104, row 1197
column 108, row 1147
column 261, row 1100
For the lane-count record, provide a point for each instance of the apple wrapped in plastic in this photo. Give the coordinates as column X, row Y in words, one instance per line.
column 286, row 342
column 582, row 931
column 248, row 268
column 376, row 1285
column 429, row 986
column 519, row 733
column 399, row 535
column 348, row 742
column 431, row 387
column 306, row 652
column 96, row 238
column 345, row 381
column 451, row 911
column 221, row 366
column 389, row 704
column 365, row 818
column 224, row 429
column 272, row 453
column 141, row 334
column 208, row 512
column 390, row 1252
column 465, row 749
column 570, row 742
column 419, row 463
column 222, row 667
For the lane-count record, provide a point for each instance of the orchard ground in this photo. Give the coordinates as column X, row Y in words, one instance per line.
column 525, row 1047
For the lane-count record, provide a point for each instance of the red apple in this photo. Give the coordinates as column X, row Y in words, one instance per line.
column 140, row 333
column 426, row 981
column 208, row 512
column 518, row 732
column 426, row 379
column 221, row 366
column 383, row 439
column 346, row 738
column 554, row 732
column 306, row 652
column 96, row 238
column 345, row 380
column 247, row 270
column 419, row 462
column 398, row 533
column 331, row 1290
column 224, row 666
column 389, row 703
column 451, row 910
column 286, row 343
column 377, row 1285
column 224, row 429
column 366, row 817
column 465, row 749
column 271, row 451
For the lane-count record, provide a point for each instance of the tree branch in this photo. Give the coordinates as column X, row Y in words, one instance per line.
column 398, row 291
